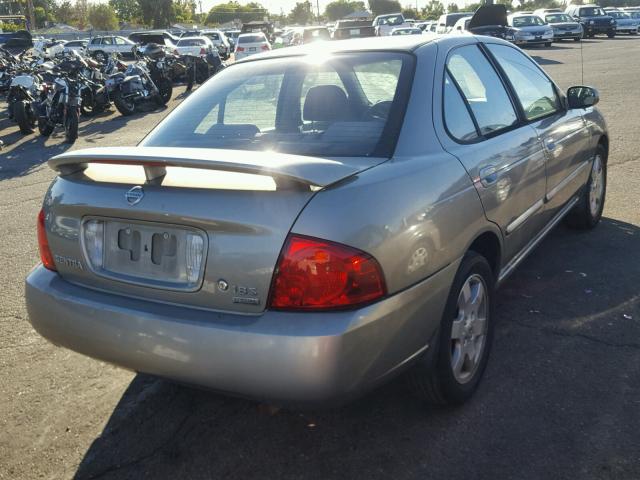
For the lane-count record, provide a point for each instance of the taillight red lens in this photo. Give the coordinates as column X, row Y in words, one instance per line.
column 203, row 51
column 314, row 274
column 265, row 47
column 43, row 244
column 239, row 49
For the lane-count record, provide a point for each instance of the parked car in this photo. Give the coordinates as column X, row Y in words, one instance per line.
column 593, row 19
column 345, row 29
column 462, row 25
column 79, row 46
column 564, row 27
column 448, row 20
column 384, row 24
column 328, row 238
column 541, row 12
column 315, row 34
column 220, row 41
column 625, row 23
column 250, row 44
column 529, row 29
column 197, row 46
column 232, row 36
column 406, row 31
column 101, row 47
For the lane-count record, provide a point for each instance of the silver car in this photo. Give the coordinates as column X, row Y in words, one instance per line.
column 564, row 27
column 311, row 223
column 529, row 29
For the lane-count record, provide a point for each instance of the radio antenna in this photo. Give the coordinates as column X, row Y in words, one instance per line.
column 581, row 63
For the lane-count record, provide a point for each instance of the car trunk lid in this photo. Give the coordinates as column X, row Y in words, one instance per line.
column 156, row 211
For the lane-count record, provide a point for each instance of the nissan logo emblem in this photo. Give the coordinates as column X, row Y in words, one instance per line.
column 134, row 195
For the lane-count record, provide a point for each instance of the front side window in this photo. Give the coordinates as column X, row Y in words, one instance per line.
column 339, row 105
column 482, row 89
column 534, row 90
column 120, row 41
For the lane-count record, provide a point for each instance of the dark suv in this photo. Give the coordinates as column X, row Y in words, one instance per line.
column 594, row 20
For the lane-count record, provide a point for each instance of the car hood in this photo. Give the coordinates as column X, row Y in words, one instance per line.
column 565, row 24
column 489, row 15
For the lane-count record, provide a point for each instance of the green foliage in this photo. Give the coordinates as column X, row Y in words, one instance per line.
column 341, row 8
column 302, row 13
column 103, row 17
column 409, row 12
column 157, row 13
column 230, row 11
column 41, row 16
column 126, row 10
column 184, row 11
column 64, row 12
column 81, row 14
column 453, row 8
column 381, row 7
column 433, row 10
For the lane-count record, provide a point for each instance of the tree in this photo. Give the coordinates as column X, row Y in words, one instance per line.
column 103, row 17
column 81, row 14
column 126, row 10
column 409, row 12
column 380, row 7
column 302, row 13
column 41, row 16
column 341, row 8
column 433, row 10
column 228, row 12
column 64, row 12
column 184, row 10
column 158, row 13
column 453, row 8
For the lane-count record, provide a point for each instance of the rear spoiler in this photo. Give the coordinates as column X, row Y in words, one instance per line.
column 284, row 169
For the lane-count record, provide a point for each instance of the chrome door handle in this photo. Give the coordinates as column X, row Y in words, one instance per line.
column 488, row 175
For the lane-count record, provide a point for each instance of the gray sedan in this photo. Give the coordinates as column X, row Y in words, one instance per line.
column 311, row 223
column 564, row 27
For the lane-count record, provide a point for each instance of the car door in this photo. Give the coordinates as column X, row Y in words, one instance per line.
column 107, row 45
column 563, row 131
column 503, row 156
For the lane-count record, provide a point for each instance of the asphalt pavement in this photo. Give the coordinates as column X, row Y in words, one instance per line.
column 560, row 398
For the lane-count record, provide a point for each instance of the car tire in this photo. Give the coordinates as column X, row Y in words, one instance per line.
column 611, row 34
column 548, row 44
column 588, row 211
column 100, row 56
column 577, row 39
column 25, row 117
column 447, row 374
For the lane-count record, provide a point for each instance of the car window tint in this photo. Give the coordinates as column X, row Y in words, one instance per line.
column 456, row 116
column 534, row 90
column 322, row 76
column 379, row 80
column 482, row 89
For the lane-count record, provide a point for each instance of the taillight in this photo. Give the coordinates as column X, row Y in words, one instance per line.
column 203, row 51
column 43, row 244
column 315, row 274
column 239, row 49
column 265, row 47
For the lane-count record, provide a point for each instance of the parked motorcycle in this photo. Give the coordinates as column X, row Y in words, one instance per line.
column 24, row 93
column 145, row 80
column 199, row 68
column 62, row 103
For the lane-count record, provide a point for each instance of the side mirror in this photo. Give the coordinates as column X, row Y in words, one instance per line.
column 582, row 97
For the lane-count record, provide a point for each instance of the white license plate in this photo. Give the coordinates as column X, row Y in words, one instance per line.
column 252, row 49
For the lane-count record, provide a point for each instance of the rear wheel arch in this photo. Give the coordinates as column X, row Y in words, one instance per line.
column 488, row 245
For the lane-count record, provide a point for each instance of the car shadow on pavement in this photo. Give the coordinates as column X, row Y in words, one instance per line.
column 553, row 390
column 545, row 61
column 17, row 159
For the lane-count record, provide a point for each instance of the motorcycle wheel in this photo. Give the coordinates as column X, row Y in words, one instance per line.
column 124, row 106
column 25, row 117
column 71, row 125
column 88, row 104
column 44, row 127
column 165, row 90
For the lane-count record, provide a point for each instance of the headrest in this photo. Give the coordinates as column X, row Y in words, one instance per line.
column 326, row 103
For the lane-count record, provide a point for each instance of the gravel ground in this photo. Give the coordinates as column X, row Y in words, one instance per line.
column 560, row 399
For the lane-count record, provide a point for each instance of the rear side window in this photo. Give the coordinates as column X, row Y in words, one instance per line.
column 482, row 88
column 456, row 114
column 534, row 90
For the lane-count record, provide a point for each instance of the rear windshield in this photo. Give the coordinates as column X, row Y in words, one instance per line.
column 344, row 105
column 251, row 39
column 192, row 42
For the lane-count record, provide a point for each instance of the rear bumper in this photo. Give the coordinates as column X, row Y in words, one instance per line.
column 300, row 358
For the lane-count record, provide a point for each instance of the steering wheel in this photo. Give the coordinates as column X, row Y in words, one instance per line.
column 380, row 110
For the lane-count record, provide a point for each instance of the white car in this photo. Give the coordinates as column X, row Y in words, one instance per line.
column 79, row 46
column 406, row 31
column 195, row 46
column 462, row 25
column 529, row 29
column 102, row 47
column 384, row 24
column 220, row 41
column 250, row 44
column 48, row 49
